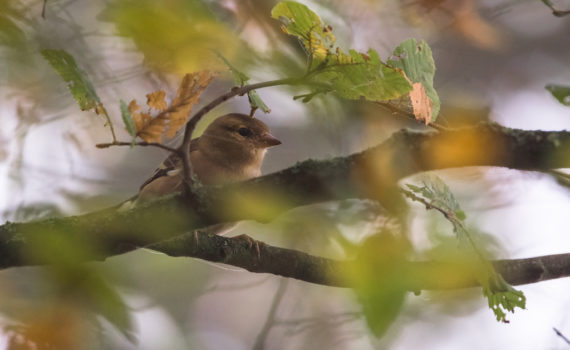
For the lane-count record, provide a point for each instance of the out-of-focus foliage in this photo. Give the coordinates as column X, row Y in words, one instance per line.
column 60, row 311
column 174, row 35
column 77, row 81
column 170, row 118
column 435, row 194
column 560, row 92
column 461, row 17
column 379, row 278
column 10, row 33
column 416, row 60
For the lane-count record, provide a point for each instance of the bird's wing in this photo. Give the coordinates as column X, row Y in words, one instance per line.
column 171, row 165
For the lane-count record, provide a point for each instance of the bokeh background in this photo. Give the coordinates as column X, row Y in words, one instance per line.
column 493, row 61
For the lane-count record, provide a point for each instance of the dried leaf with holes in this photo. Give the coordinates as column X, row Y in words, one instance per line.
column 147, row 128
column 187, row 96
column 170, row 117
column 157, row 100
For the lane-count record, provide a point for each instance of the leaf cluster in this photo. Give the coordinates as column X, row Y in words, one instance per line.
column 501, row 297
column 357, row 75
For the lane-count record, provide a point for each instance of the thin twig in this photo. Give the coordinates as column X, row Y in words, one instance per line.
column 44, row 9
column 555, row 11
column 104, row 111
column 143, row 143
column 270, row 322
column 558, row 333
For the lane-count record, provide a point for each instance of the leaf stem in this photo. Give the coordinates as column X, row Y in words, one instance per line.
column 104, row 111
column 143, row 143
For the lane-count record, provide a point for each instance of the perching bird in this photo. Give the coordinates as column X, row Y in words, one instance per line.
column 230, row 149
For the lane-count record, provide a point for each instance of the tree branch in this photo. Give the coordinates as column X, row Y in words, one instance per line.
column 369, row 174
column 427, row 275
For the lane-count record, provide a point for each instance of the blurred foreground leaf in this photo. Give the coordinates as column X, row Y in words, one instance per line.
column 379, row 278
column 79, row 84
column 175, row 36
column 10, row 33
column 435, row 194
column 560, row 92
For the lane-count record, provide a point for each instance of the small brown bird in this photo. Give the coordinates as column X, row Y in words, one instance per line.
column 231, row 149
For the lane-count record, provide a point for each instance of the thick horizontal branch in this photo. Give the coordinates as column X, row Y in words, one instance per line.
column 256, row 256
column 369, row 174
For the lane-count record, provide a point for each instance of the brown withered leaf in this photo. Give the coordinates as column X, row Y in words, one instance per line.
column 421, row 103
column 149, row 129
column 157, row 100
column 189, row 91
column 170, row 117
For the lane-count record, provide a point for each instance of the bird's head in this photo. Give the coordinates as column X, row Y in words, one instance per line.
column 235, row 131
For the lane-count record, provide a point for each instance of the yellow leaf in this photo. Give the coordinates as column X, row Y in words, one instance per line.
column 421, row 103
column 189, row 92
column 156, row 100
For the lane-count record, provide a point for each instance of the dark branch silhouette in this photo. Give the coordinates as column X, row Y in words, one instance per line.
column 371, row 174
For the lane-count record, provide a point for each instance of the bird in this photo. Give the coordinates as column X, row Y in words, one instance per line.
column 231, row 149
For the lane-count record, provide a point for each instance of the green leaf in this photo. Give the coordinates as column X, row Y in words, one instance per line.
column 356, row 75
column 416, row 60
column 502, row 298
column 77, row 81
column 256, row 101
column 438, row 193
column 560, row 92
column 128, row 120
column 500, row 295
column 298, row 20
column 239, row 77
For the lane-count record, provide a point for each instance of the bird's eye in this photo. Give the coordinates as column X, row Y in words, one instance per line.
column 244, row 132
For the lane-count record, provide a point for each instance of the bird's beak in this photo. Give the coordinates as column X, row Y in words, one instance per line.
column 269, row 140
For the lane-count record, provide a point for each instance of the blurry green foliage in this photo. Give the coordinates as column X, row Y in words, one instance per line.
column 500, row 295
column 10, row 33
column 379, row 277
column 560, row 92
column 174, row 35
